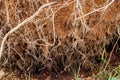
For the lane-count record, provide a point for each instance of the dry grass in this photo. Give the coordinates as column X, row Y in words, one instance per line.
column 52, row 36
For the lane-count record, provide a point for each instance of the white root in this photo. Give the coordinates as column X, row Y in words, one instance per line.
column 21, row 24
column 96, row 10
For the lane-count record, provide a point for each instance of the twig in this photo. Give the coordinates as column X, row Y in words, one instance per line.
column 111, row 54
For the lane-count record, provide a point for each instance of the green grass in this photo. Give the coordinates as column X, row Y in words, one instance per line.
column 109, row 74
column 76, row 73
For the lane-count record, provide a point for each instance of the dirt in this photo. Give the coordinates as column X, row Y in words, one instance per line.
column 57, row 39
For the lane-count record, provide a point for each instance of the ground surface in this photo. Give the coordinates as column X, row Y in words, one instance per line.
column 60, row 38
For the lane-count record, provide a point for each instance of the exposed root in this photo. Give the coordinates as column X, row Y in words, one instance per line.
column 54, row 36
column 21, row 24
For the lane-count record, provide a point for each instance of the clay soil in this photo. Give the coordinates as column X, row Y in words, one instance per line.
column 63, row 37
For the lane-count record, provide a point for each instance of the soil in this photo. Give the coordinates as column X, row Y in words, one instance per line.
column 57, row 40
